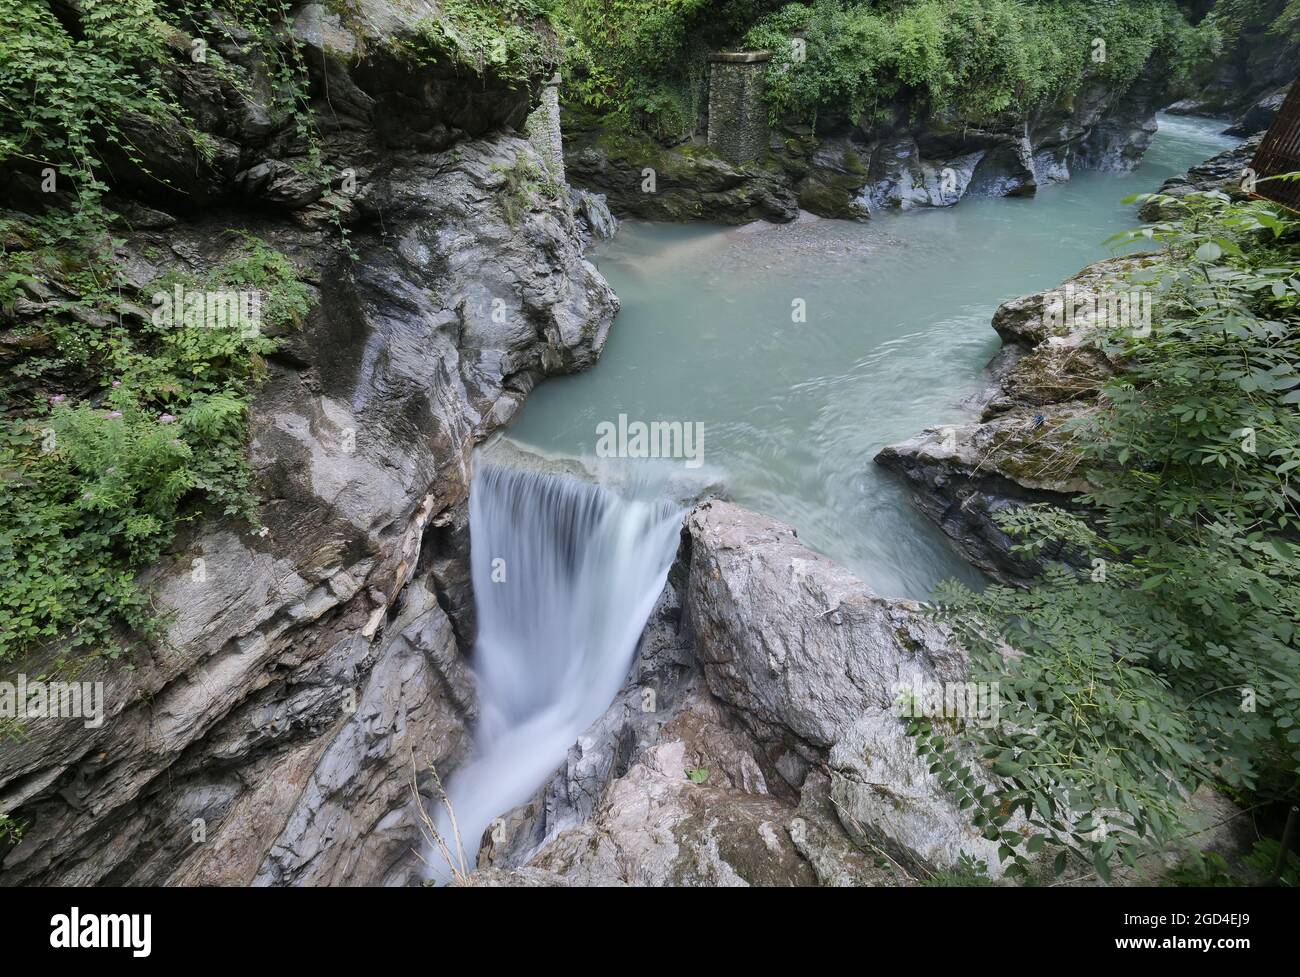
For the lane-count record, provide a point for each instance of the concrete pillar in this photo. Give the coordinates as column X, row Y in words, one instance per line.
column 543, row 128
column 738, row 130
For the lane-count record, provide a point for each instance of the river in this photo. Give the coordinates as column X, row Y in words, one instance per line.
column 896, row 336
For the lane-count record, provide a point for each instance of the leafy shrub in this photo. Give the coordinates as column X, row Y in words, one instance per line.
column 151, row 426
column 94, row 486
column 502, row 37
column 642, row 64
column 1175, row 661
column 978, row 59
column 63, row 95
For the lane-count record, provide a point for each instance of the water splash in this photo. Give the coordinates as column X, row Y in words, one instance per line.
column 565, row 574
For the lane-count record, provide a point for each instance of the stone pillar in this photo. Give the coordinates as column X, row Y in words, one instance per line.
column 543, row 128
column 738, row 130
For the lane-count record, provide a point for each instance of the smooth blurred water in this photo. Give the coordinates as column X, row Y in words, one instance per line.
column 565, row 576
column 897, row 335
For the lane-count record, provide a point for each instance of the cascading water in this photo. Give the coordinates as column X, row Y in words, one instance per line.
column 565, row 576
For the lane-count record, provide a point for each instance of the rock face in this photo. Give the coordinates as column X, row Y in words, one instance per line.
column 854, row 171
column 272, row 740
column 640, row 178
column 1021, row 450
column 1249, row 79
column 760, row 711
column 1225, row 171
column 1259, row 115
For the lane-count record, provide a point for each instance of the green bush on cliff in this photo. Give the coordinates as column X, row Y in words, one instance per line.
column 1240, row 20
column 978, row 59
column 501, row 36
column 151, row 430
column 643, row 64
column 64, row 95
column 115, row 430
column 1174, row 661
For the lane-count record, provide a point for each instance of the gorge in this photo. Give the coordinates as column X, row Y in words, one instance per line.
column 384, row 578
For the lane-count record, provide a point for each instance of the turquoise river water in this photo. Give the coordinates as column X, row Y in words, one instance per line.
column 895, row 340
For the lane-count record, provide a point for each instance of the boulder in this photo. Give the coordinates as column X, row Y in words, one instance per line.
column 1259, row 115
column 640, row 178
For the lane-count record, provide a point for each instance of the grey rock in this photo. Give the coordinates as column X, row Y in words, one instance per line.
column 357, row 820
column 1021, row 450
column 812, row 661
column 232, row 754
column 1260, row 114
column 1225, row 171
column 688, row 184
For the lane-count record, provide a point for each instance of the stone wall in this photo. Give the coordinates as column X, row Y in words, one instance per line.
column 544, row 129
column 738, row 130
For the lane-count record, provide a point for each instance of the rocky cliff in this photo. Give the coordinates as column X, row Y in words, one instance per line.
column 1022, row 448
column 271, row 739
column 854, row 171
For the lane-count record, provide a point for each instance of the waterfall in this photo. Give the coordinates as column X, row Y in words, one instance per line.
column 594, row 211
column 565, row 575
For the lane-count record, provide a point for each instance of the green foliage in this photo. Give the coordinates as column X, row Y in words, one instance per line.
column 642, row 64
column 501, row 36
column 105, row 72
column 1247, row 20
column 94, row 485
column 521, row 183
column 1263, row 861
column 62, row 96
column 11, row 831
column 1202, row 869
column 1172, row 662
column 258, row 27
column 976, row 58
column 970, row 873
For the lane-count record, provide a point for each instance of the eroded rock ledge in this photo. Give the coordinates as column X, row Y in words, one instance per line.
column 1022, row 449
column 856, row 170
